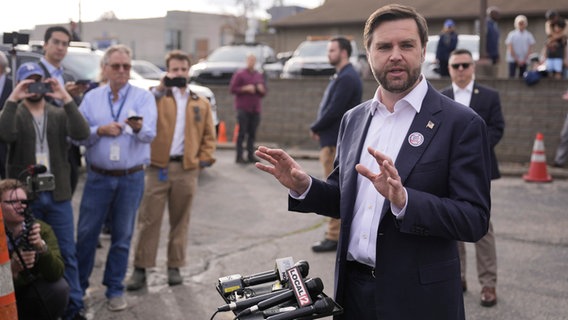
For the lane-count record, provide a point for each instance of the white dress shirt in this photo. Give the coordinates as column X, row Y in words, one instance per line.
column 463, row 96
column 181, row 97
column 387, row 133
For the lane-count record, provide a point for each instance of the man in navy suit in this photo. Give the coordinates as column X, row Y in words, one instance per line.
column 411, row 177
column 486, row 103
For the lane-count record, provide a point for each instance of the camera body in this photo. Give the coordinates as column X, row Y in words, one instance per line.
column 39, row 87
column 179, row 82
column 40, row 183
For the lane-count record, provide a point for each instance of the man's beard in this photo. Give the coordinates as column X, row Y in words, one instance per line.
column 35, row 99
column 397, row 86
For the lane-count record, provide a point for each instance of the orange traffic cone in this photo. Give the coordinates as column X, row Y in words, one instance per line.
column 235, row 133
column 8, row 308
column 222, row 138
column 537, row 170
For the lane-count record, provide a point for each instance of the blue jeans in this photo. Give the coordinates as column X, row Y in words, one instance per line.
column 119, row 197
column 59, row 215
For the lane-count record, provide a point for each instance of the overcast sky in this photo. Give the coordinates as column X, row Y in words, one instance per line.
column 25, row 14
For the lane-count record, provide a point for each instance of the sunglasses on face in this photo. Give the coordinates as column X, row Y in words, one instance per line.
column 463, row 65
column 116, row 66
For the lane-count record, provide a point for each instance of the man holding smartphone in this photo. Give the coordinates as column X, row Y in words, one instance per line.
column 122, row 118
column 36, row 132
column 185, row 142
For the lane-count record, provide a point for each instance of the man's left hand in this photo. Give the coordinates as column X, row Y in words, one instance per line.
column 386, row 181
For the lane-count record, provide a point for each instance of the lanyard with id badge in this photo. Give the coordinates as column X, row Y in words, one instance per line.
column 114, row 146
column 44, row 181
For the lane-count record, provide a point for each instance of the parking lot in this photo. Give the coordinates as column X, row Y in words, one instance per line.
column 240, row 225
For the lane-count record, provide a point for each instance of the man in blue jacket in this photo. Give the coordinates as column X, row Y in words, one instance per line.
column 343, row 92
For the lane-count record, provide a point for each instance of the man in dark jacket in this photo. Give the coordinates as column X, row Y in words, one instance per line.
column 486, row 103
column 343, row 92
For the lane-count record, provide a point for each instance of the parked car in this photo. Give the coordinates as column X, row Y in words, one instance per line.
column 310, row 59
column 147, row 69
column 221, row 64
column 84, row 63
column 430, row 67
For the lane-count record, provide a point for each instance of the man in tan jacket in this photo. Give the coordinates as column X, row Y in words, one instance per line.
column 185, row 142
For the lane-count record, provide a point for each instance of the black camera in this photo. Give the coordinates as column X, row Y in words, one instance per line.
column 42, row 182
column 39, row 87
column 179, row 82
column 15, row 38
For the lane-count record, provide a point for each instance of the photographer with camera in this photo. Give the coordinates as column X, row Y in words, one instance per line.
column 36, row 263
column 36, row 133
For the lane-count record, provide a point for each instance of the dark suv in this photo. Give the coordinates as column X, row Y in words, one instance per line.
column 219, row 66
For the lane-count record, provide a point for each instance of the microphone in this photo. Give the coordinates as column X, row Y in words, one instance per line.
column 273, row 275
column 321, row 306
column 34, row 169
column 314, row 286
column 245, row 303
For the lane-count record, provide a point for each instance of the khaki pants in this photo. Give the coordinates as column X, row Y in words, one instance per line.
column 178, row 191
column 326, row 157
column 486, row 257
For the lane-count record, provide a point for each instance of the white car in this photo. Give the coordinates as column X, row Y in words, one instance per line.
column 430, row 67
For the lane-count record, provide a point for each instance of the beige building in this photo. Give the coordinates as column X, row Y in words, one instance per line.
column 150, row 39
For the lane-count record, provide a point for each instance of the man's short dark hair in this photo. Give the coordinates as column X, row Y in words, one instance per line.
column 461, row 51
column 177, row 55
column 394, row 12
column 344, row 44
column 49, row 32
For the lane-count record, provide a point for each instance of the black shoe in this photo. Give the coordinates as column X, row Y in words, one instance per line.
column 241, row 161
column 80, row 315
column 325, row 246
column 253, row 159
column 557, row 165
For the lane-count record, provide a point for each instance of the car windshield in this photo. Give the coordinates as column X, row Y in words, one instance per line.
column 233, row 54
column 312, row 49
column 83, row 65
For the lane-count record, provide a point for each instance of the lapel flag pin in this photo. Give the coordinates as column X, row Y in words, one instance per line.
column 430, row 125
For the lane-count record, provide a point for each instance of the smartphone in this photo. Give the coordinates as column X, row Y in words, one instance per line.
column 83, row 81
column 39, row 87
column 134, row 118
column 175, row 82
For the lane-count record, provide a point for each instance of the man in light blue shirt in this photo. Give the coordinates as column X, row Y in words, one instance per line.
column 122, row 119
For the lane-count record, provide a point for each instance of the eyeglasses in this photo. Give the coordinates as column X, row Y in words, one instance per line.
column 464, row 65
column 13, row 202
column 116, row 66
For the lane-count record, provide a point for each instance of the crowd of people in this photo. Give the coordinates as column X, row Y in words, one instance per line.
column 131, row 135
column 407, row 173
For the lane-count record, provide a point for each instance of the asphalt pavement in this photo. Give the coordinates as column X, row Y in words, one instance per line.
column 240, row 225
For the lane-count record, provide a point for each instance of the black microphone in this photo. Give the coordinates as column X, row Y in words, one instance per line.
column 34, row 169
column 245, row 303
column 273, row 275
column 321, row 306
column 314, row 286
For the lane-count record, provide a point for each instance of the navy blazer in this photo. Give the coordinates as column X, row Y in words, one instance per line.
column 447, row 178
column 342, row 93
column 487, row 104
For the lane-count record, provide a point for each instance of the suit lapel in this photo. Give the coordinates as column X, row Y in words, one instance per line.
column 420, row 134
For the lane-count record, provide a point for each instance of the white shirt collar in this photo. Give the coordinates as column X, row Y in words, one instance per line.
column 414, row 98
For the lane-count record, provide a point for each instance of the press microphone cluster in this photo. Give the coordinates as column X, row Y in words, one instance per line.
column 235, row 283
column 291, row 296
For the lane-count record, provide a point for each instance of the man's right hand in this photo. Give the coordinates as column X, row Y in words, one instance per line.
column 112, row 129
column 285, row 169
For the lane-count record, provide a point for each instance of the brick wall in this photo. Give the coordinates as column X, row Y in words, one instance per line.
column 291, row 105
